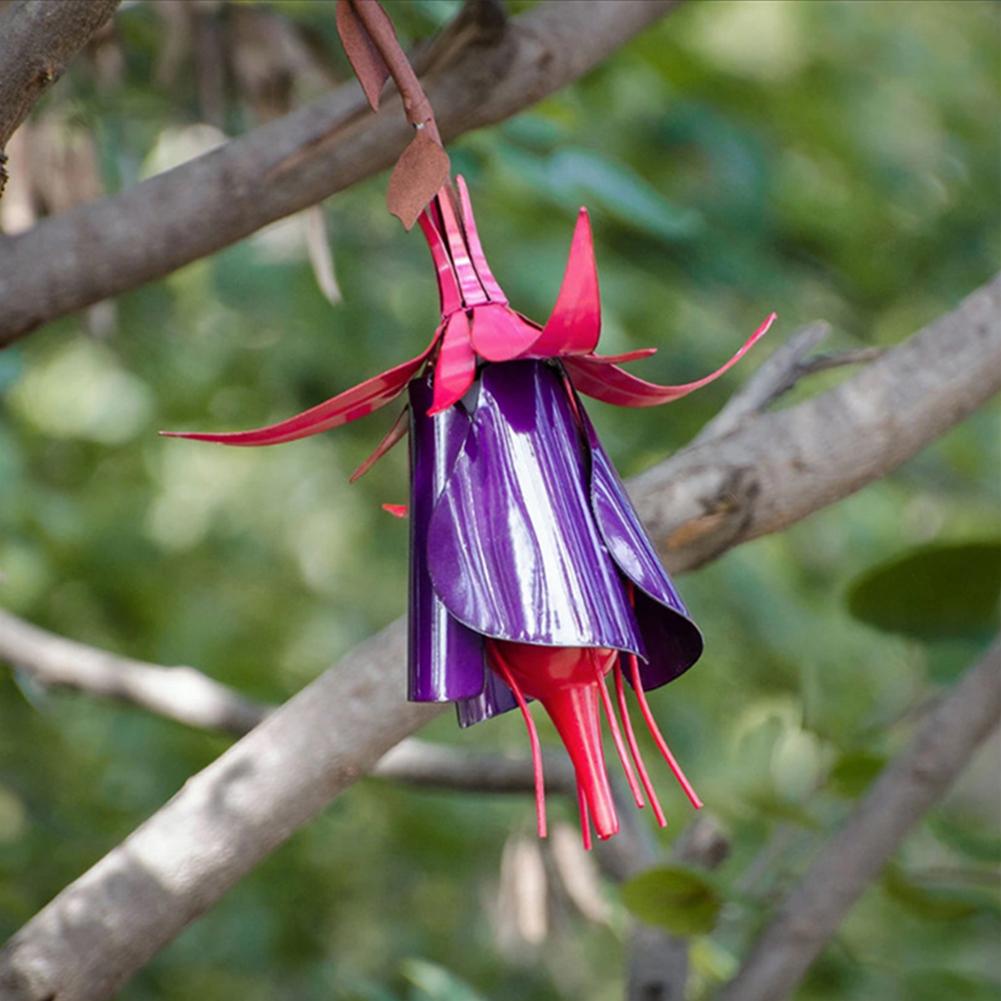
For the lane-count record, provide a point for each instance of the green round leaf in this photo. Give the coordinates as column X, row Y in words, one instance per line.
column 936, row 593
column 854, row 771
column 678, row 899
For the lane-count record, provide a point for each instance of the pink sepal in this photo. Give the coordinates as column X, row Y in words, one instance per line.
column 574, row 325
column 611, row 384
column 392, row 437
column 455, row 368
column 359, row 401
column 396, row 510
column 626, row 356
column 448, row 284
column 490, row 286
column 500, row 334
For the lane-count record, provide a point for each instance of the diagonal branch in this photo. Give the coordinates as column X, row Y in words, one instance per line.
column 178, row 693
column 37, row 40
column 784, row 369
column 781, row 466
column 856, row 855
column 186, row 695
column 117, row 243
column 107, row 924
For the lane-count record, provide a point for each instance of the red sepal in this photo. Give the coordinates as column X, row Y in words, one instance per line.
column 359, row 401
column 610, row 384
column 574, row 325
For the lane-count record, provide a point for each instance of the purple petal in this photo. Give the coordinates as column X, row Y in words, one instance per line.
column 496, row 698
column 445, row 658
column 514, row 551
column 672, row 639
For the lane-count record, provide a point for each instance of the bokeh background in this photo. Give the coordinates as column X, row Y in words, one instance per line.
column 828, row 160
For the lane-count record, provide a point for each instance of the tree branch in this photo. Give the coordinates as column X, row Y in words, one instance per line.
column 37, row 39
column 188, row 696
column 114, row 244
column 179, row 693
column 108, row 923
column 779, row 467
column 856, row 855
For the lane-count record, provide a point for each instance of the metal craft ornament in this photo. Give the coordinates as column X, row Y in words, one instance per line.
column 531, row 576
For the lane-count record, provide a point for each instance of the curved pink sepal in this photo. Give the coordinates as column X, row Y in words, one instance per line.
column 611, row 384
column 455, row 368
column 359, row 401
column 448, row 285
column 490, row 286
column 391, row 438
column 500, row 334
column 626, row 356
column 574, row 325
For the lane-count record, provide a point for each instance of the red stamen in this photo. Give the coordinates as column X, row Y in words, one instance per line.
column 634, row 669
column 620, row 747
column 533, row 739
column 627, row 725
column 585, row 818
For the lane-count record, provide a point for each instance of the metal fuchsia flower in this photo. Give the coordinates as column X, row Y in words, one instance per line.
column 531, row 576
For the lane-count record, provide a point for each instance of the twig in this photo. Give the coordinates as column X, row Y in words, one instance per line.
column 416, row 105
column 109, row 922
column 179, row 693
column 855, row 856
column 117, row 243
column 766, row 383
column 37, row 40
column 188, row 696
column 786, row 366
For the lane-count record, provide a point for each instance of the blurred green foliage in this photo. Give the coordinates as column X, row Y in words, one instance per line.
column 681, row 900
column 934, row 593
column 826, row 159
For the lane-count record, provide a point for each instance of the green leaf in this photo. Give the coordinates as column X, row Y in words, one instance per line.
column 434, row 983
column 940, row 592
column 983, row 845
column 774, row 807
column 936, row 902
column 681, row 900
column 854, row 771
column 934, row 985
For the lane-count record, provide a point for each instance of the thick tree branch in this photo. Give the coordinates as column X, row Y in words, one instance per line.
column 779, row 467
column 117, row 243
column 37, row 39
column 188, row 696
column 856, row 855
column 108, row 923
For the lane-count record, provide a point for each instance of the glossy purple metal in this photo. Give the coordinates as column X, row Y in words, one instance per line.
column 532, row 539
column 513, row 547
column 673, row 641
column 445, row 658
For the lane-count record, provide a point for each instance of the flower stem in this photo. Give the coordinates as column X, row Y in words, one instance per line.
column 416, row 105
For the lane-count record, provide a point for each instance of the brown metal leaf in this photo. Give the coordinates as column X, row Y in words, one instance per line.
column 368, row 64
column 418, row 175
